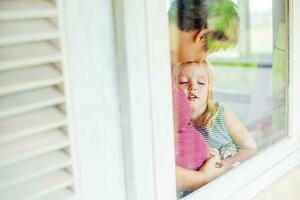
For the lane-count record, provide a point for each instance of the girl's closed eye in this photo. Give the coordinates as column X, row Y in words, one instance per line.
column 183, row 82
column 201, row 83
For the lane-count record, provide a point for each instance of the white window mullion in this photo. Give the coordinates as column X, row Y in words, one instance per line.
column 134, row 90
column 144, row 67
column 159, row 70
column 294, row 61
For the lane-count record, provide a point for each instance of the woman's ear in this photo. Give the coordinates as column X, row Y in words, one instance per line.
column 201, row 36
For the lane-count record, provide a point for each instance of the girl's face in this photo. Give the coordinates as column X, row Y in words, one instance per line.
column 193, row 80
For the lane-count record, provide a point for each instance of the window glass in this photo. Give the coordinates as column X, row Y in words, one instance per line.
column 229, row 69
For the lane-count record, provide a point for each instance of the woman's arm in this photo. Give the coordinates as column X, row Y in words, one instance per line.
column 190, row 180
column 241, row 136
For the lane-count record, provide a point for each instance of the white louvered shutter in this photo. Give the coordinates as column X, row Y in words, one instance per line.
column 36, row 151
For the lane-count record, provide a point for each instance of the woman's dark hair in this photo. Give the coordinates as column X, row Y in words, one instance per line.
column 189, row 15
column 219, row 16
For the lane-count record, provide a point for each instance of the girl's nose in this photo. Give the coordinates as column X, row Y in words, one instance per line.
column 192, row 88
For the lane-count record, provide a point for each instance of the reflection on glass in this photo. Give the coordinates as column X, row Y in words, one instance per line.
column 229, row 69
column 256, row 72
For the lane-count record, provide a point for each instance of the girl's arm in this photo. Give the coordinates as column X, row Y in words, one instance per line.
column 241, row 136
column 190, row 180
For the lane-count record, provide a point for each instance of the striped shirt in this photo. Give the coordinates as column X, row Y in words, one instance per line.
column 218, row 136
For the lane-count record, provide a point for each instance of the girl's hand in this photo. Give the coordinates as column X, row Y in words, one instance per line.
column 210, row 170
column 216, row 154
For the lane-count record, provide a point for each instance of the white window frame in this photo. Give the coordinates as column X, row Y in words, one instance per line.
column 142, row 28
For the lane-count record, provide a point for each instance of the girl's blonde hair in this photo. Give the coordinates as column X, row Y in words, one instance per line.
column 212, row 109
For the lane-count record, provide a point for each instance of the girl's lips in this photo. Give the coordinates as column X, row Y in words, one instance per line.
column 192, row 97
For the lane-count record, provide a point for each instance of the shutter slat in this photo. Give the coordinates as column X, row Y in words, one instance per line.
column 60, row 195
column 15, row 32
column 18, row 127
column 27, row 55
column 28, row 101
column 33, row 146
column 32, row 168
column 16, row 9
column 29, row 78
column 39, row 187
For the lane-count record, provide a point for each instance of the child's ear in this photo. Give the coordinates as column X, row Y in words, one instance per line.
column 201, row 36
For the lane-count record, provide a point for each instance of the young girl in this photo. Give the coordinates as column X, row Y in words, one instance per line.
column 195, row 164
column 218, row 124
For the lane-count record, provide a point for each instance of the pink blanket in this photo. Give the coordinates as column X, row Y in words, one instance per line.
column 191, row 148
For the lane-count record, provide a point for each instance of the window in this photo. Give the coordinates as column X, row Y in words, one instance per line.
column 259, row 90
column 250, row 81
column 143, row 43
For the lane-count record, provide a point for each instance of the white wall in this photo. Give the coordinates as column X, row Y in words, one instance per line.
column 91, row 42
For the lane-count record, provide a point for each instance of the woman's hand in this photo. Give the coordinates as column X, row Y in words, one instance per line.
column 191, row 180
